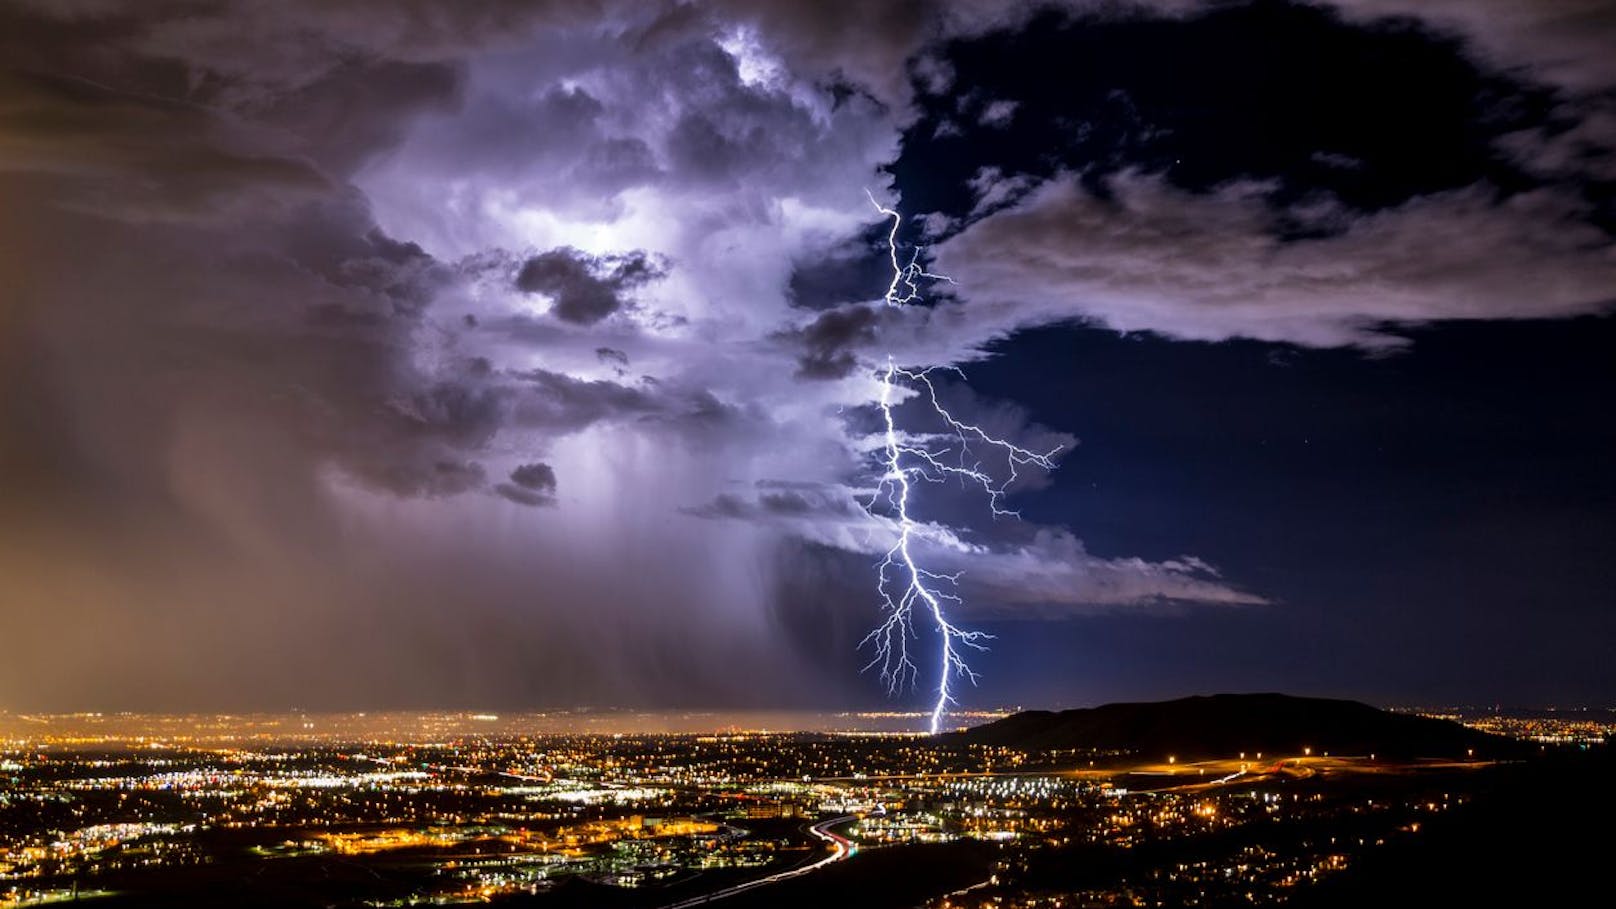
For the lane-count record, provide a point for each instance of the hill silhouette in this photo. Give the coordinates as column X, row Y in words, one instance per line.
column 1224, row 725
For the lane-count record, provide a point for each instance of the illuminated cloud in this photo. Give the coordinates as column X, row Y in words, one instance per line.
column 1206, row 267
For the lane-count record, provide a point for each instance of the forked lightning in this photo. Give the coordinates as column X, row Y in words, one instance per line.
column 904, row 585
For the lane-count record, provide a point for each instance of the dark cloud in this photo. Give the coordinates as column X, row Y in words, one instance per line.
column 585, row 288
column 553, row 400
column 530, row 484
column 831, row 342
column 772, row 500
column 537, row 477
column 789, row 503
column 558, row 403
column 724, row 505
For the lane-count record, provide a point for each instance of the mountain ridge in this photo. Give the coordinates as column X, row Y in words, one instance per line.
column 1224, row 725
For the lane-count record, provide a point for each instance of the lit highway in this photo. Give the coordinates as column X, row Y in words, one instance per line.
column 843, row 848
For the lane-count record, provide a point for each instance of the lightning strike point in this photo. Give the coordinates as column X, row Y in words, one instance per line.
column 904, row 586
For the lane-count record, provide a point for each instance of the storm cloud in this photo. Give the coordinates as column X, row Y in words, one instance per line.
column 585, row 289
column 1149, row 257
column 437, row 353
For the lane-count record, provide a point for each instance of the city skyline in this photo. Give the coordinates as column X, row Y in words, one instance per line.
column 1226, row 801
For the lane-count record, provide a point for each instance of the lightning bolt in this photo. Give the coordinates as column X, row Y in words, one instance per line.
column 905, row 587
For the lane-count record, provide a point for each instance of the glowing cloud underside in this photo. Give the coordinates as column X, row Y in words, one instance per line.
column 905, row 587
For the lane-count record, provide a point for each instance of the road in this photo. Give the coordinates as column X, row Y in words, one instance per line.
column 844, row 849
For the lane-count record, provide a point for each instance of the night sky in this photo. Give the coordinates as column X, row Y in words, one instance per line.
column 507, row 354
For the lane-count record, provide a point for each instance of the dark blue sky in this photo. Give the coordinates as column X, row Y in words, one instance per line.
column 1437, row 525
